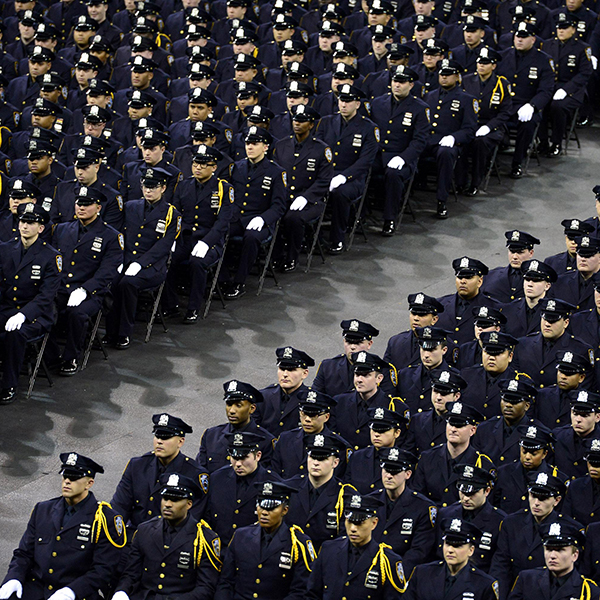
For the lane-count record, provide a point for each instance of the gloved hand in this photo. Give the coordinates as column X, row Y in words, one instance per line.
column 447, row 141
column 525, row 113
column 120, row 596
column 200, row 249
column 133, row 269
column 12, row 586
column 256, row 223
column 173, row 246
column 482, row 131
column 15, row 322
column 396, row 162
column 299, row 203
column 120, row 269
column 77, row 297
column 336, row 182
column 559, row 94
column 63, row 594
column 594, row 62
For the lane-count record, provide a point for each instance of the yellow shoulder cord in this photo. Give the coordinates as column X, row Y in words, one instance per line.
column 169, row 218
column 479, row 457
column 520, row 374
column 339, row 505
column 298, row 547
column 498, row 85
column 586, row 590
column 100, row 524
column 386, row 568
column 220, row 194
column 200, row 544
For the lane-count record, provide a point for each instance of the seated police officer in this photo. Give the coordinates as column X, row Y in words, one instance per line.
column 268, row 559
column 173, row 552
column 455, row 575
column 485, row 319
column 355, row 565
column 20, row 192
column 567, row 260
column 137, row 494
column 406, row 518
column 29, row 279
column 206, row 206
column 307, row 160
column 151, row 227
column 92, row 251
column 475, row 485
column 563, row 542
column 241, row 400
column 582, row 501
column 71, row 546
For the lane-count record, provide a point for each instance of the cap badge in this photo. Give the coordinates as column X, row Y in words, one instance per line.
column 494, row 337
column 483, row 311
column 319, row 440
column 464, row 262
column 287, row 353
column 29, row 207
column 468, row 472
column 232, row 387
column 72, row 458
column 18, row 185
column 268, row 489
column 356, row 502
column 353, row 326
column 513, row 385
column 551, row 305
column 534, row 265
column 394, row 454
column 311, row 396
column 531, row 432
column 542, row 479
column 574, row 224
column 427, row 332
column 568, row 357
column 515, row 236
column 455, row 525
column 173, row 481
column 585, row 242
column 164, row 419
column 444, row 377
column 81, row 153
column 238, row 439
column 379, row 413
column 582, row 396
column 554, row 529
column 457, row 408
column 419, row 299
column 362, row 357
column 595, row 446
column 83, row 191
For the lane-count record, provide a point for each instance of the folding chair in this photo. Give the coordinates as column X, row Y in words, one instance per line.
column 358, row 204
column 214, row 286
column 313, row 228
column 152, row 297
column 406, row 201
column 572, row 132
column 533, row 148
column 35, row 359
column 269, row 244
column 94, row 338
column 493, row 166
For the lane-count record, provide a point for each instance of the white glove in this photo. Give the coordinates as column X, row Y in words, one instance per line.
column 482, row 131
column 396, row 162
column 15, row 322
column 12, row 586
column 120, row 269
column 559, row 94
column 256, row 223
column 594, row 62
column 336, row 182
column 447, row 141
column 77, row 297
column 120, row 596
column 525, row 113
column 299, row 203
column 133, row 269
column 63, row 594
column 173, row 246
column 200, row 249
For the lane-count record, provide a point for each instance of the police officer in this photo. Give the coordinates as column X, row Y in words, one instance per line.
column 29, row 279
column 434, row 476
column 499, row 436
column 582, row 501
column 40, row 158
column 485, row 319
column 151, row 226
column 566, row 261
column 584, row 324
column 261, row 200
column 70, row 548
column 309, row 164
column 268, row 559
column 505, row 283
column 20, row 192
column 404, row 123
column 458, row 316
column 232, row 497
column 92, row 251
column 523, row 314
column 336, row 375
column 206, row 206
column 353, row 139
column 559, row 578
column 173, row 552
column 406, row 518
column 241, row 400
column 353, row 566
column 279, row 410
column 454, row 575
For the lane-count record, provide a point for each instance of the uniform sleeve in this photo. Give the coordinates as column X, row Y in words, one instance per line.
column 412, row 587
column 43, row 302
column 207, row 576
column 368, row 151
column 161, row 248
column 420, row 136
column 517, row 591
column 22, row 559
column 320, row 186
column 132, row 575
column 423, row 541
column 505, row 109
column 122, row 500
column 113, row 215
column 224, row 218
column 202, row 456
column 546, row 83
column 301, row 573
column 107, row 270
column 226, row 585
column 581, row 78
column 315, row 585
column 319, row 380
column 466, row 133
column 279, row 199
column 500, row 568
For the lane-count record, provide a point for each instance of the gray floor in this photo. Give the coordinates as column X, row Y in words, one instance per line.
column 105, row 411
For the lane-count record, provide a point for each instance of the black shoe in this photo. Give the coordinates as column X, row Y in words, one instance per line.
column 123, row 342
column 472, row 191
column 191, row 316
column 462, row 189
column 167, row 313
column 290, row 266
column 8, row 395
column 237, row 291
column 68, row 368
column 442, row 211
column 554, row 150
column 388, row 228
column 336, row 249
column 108, row 340
column 517, row 172
column 584, row 122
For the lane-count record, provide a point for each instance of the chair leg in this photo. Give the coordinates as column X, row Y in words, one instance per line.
column 38, row 362
column 94, row 336
column 153, row 315
column 268, row 265
column 493, row 166
column 406, row 201
column 215, row 285
column 572, row 130
column 532, row 149
column 315, row 243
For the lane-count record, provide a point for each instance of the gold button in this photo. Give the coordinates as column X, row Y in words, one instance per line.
column 50, row 570
column 58, row 538
column 54, row 554
column 160, row 586
column 50, row 588
column 163, row 564
column 162, row 575
column 258, row 581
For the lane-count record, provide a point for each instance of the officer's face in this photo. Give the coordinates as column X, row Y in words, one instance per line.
column 13, row 203
column 423, row 8
column 395, row 62
column 588, row 265
column 153, row 155
column 236, row 12
column 87, row 175
column 139, row 112
column 565, row 33
column 417, row 320
column 560, row 561
column 440, row 399
column 52, row 95
column 30, row 231
column 583, row 423
column 286, row 58
column 245, row 466
column 516, row 256
column 468, row 287
column 541, row 507
column 376, row 19
column 456, row 556
column 484, row 70
column 359, row 534
column 552, row 331
column 479, row 330
column 448, row 82
column 93, row 129
column 352, row 345
column 82, row 38
column 571, row 245
column 384, row 439
column 401, row 89
column 513, row 412
column 532, row 459
column 84, row 75
column 394, row 481
column 473, row 38
column 598, row 206
column 321, row 468
column 203, row 171
column 198, row 112
column 189, row 3
column 573, row 4
column 535, row 289
column 282, row 35
column 153, row 194
column 246, row 48
column 247, row 100
column 26, row 32
column 246, row 75
column 496, row 363
column 74, row 490
column 366, row 383
column 167, row 449
column 325, row 42
column 86, row 212
column 141, row 80
column 424, row 34
column 337, row 81
column 238, row 411
column 97, row 11
column 524, row 43
column 597, row 300
column 431, row 60
column 348, row 109
column 594, row 469
column 475, row 500
column 301, row 127
column 379, row 46
column 459, row 435
column 432, row 358
column 174, row 509
column 43, row 121
column 290, row 379
column 347, row 60
column 291, row 102
column 568, row 381
column 256, row 151
column 313, row 423
column 40, row 165
column 273, row 518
